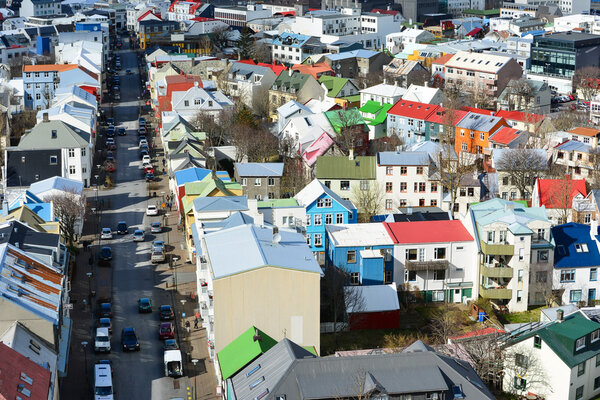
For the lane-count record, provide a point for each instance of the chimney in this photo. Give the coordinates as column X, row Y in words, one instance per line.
column 45, row 117
column 409, row 210
column 493, row 113
column 351, row 154
column 195, row 83
column 290, row 71
column 560, row 315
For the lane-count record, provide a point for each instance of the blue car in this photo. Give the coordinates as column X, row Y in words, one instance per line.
column 106, row 254
column 149, row 177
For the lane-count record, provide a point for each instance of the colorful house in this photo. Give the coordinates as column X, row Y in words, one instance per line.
column 323, row 207
column 351, row 119
column 343, row 90
column 406, row 119
column 375, row 115
column 559, row 196
column 473, row 132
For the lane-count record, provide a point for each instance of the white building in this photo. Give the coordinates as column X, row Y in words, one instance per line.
column 240, row 15
column 395, row 42
column 382, row 93
column 183, row 10
column 37, row 8
column 194, row 100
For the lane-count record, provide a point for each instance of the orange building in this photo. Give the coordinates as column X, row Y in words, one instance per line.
column 473, row 132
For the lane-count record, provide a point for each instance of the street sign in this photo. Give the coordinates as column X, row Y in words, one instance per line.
column 69, row 306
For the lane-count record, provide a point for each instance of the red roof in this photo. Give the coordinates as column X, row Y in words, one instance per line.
column 474, row 32
column 277, row 68
column 478, row 110
column 413, row 109
column 480, row 332
column 144, row 15
column 505, row 135
column 439, row 116
column 550, row 191
column 428, row 232
column 382, row 11
column 592, row 132
column 286, row 13
column 202, row 19
column 13, row 368
column 174, row 79
column 520, row 116
column 443, row 59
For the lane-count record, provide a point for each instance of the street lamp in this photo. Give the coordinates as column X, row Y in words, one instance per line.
column 195, row 361
column 87, row 378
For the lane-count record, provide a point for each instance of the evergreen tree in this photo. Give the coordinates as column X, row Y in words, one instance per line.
column 245, row 44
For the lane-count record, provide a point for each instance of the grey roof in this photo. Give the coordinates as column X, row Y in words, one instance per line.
column 403, row 158
column 226, row 203
column 259, row 169
column 41, row 137
column 478, row 122
column 29, row 239
column 420, row 370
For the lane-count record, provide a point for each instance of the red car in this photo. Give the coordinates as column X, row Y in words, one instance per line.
column 165, row 331
column 109, row 167
column 148, row 170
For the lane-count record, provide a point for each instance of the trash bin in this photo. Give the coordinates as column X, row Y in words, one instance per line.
column 481, row 316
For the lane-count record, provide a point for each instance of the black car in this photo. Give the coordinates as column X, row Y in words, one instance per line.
column 110, row 132
column 105, row 310
column 166, row 313
column 110, row 121
column 122, row 228
column 121, row 131
column 106, row 254
column 129, row 340
column 144, row 153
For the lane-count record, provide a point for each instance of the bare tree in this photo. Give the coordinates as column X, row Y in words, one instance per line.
column 256, row 144
column 444, row 323
column 565, row 120
column 522, row 166
column 220, row 37
column 369, row 200
column 479, row 98
column 520, row 93
column 594, row 173
column 293, row 179
column 586, row 81
column 484, row 355
column 69, row 208
column 261, row 104
column 352, row 130
column 20, row 123
column 452, row 171
column 387, row 143
column 561, row 196
column 261, row 52
column 524, row 372
column 218, row 130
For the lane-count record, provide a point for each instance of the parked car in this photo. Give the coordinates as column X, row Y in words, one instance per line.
column 138, row 236
column 151, row 209
column 105, row 323
column 110, row 121
column 106, row 254
column 157, row 256
column 158, row 245
column 142, row 137
column 144, row 305
column 171, row 344
column 106, row 310
column 146, row 157
column 142, row 121
column 147, row 165
column 156, row 227
column 110, row 131
column 109, row 167
column 129, row 340
column 166, row 331
column 148, row 170
column 149, row 177
column 142, row 130
column 110, row 156
column 144, row 147
column 106, row 233
column 122, row 228
column 121, row 131
column 143, row 142
column 106, row 362
column 102, row 341
column 166, row 313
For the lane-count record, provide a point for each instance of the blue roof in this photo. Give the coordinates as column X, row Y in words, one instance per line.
column 43, row 210
column 566, row 236
column 236, row 219
column 225, row 203
column 24, row 198
column 298, row 40
column 58, row 183
column 362, row 53
column 259, row 169
column 533, row 33
column 255, row 248
column 195, row 174
column 196, row 239
column 574, row 145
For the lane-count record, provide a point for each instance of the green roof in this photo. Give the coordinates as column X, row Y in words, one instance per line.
column 371, row 107
column 561, row 338
column 355, row 98
column 342, row 167
column 296, row 81
column 275, row 203
column 350, row 117
column 380, row 111
column 492, row 11
column 333, row 84
column 239, row 353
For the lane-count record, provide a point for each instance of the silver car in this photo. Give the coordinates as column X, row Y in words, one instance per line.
column 106, row 233
column 138, row 236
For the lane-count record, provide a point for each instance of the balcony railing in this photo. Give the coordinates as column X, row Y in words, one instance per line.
column 427, row 265
column 497, row 272
column 496, row 293
column 497, row 249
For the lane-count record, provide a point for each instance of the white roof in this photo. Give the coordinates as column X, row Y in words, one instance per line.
column 478, row 61
column 352, row 235
column 375, row 298
column 314, row 190
column 420, row 94
column 384, row 89
column 370, row 254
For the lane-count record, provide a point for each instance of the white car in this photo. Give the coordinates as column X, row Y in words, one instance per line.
column 102, row 342
column 151, row 210
column 143, row 142
column 146, row 159
column 106, row 233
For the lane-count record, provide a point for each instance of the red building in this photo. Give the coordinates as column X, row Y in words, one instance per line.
column 21, row 378
column 380, row 308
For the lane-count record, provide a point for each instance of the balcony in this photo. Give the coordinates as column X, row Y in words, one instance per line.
column 497, row 272
column 504, row 249
column 427, row 265
column 496, row 293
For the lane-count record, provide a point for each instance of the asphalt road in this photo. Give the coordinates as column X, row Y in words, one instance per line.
column 133, row 274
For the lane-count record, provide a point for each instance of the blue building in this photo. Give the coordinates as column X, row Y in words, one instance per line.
column 363, row 251
column 323, row 207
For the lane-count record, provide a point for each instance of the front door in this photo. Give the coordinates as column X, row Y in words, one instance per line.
column 591, row 296
column 457, row 296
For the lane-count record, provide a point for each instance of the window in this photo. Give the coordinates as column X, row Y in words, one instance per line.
column 323, row 203
column 419, row 170
column 567, row 275
column 257, row 181
column 437, row 295
column 541, row 276
column 328, row 184
column 542, row 256
column 388, row 187
column 593, row 274
column 587, row 218
column 328, row 219
column 598, row 360
column 596, row 383
column 402, row 186
column 434, row 187
column 318, row 219
column 308, row 220
column 439, row 275
column 344, row 185
column 519, row 296
column 244, row 181
column 389, row 204
column 537, row 342
column 351, row 256
column 82, row 152
column 389, row 170
column 72, row 170
column 521, row 360
column 422, row 187
column 575, row 296
column 482, row 136
column 579, row 393
column 53, row 160
column 410, row 276
column 318, row 240
column 581, row 247
column 411, row 254
column 464, row 147
column 595, row 335
column 541, row 234
column 439, row 253
column 271, row 181
column 403, row 170
column 520, row 275
column 387, row 277
column 364, row 185
column 339, row 218
column 71, row 152
column 354, row 278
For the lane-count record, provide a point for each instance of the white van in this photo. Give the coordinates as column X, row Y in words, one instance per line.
column 103, row 388
column 102, row 342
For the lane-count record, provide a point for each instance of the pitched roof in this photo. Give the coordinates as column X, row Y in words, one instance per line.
column 428, row 232
column 312, row 69
column 358, row 235
column 342, row 167
column 376, row 298
column 507, row 212
column 403, row 158
column 286, row 81
column 442, row 116
column 443, row 59
column 345, row 118
column 505, row 135
column 276, row 68
column 478, row 61
column 574, row 145
column 413, row 109
column 58, row 183
column 242, row 350
column 421, row 94
column 257, row 248
column 567, row 254
column 479, row 122
column 333, row 84
column 12, row 368
column 520, row 116
column 221, row 203
column 585, row 131
column 259, row 169
column 41, row 137
column 551, row 192
column 314, row 190
column 49, row 67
